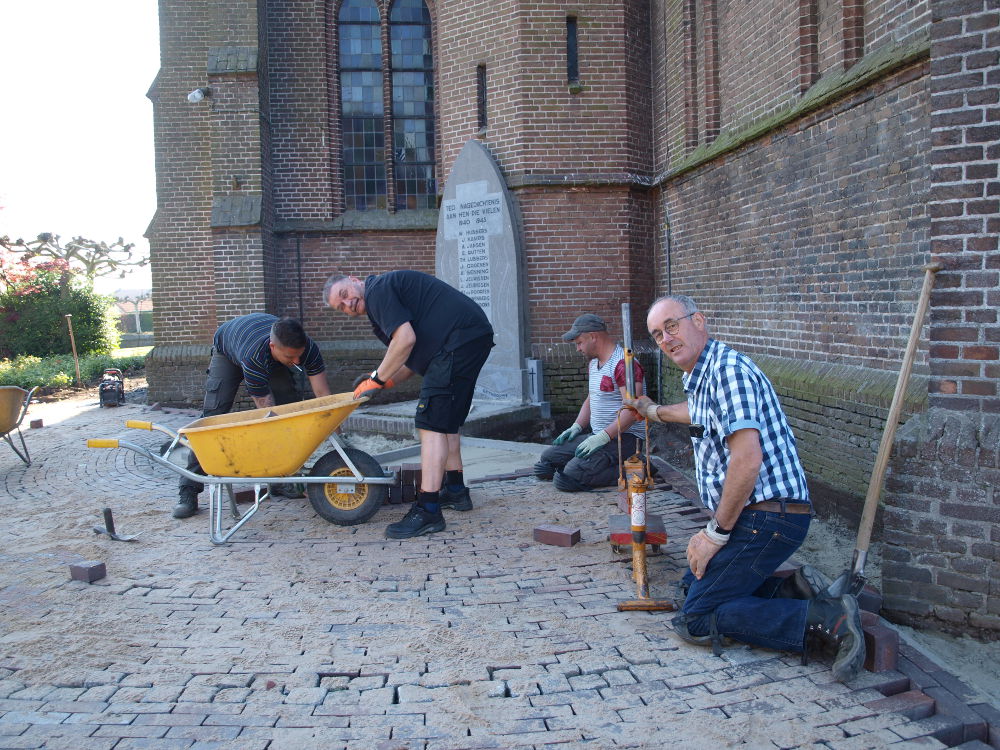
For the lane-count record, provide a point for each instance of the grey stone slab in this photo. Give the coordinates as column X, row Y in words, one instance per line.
column 479, row 252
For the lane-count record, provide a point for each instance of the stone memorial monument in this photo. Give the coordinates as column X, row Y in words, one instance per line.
column 479, row 253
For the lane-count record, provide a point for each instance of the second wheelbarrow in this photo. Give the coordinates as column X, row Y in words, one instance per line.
column 270, row 446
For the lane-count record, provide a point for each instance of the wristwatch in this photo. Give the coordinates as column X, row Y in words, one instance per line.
column 374, row 376
column 717, row 534
column 714, row 527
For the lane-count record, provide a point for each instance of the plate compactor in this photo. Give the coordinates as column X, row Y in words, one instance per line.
column 112, row 388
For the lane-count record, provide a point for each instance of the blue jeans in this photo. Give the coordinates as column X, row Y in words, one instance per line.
column 738, row 586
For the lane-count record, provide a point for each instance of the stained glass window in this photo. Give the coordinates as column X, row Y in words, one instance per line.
column 412, row 104
column 362, row 111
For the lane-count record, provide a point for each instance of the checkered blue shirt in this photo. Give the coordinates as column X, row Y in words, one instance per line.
column 726, row 392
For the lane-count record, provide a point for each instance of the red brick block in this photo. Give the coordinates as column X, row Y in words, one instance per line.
column 244, row 496
column 621, row 529
column 36, row 424
column 560, row 536
column 88, row 571
column 870, row 599
column 913, row 704
column 881, row 646
column 410, row 474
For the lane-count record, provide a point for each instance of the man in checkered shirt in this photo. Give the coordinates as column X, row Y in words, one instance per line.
column 750, row 478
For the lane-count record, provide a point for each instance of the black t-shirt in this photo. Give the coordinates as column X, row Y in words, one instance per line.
column 442, row 317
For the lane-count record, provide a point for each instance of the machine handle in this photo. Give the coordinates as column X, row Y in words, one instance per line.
column 102, row 443
column 627, row 341
column 137, row 425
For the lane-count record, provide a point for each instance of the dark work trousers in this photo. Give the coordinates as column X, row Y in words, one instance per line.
column 223, row 381
column 600, row 469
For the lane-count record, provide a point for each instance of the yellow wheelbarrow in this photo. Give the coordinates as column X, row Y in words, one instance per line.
column 270, row 446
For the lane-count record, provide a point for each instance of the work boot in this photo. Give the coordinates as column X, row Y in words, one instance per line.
column 837, row 623
column 456, row 500
column 297, row 489
column 417, row 522
column 805, row 583
column 187, row 506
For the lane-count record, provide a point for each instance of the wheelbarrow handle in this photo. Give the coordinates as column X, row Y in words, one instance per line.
column 102, row 443
column 138, row 424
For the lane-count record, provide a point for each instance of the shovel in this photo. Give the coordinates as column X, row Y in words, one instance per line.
column 109, row 529
column 852, row 580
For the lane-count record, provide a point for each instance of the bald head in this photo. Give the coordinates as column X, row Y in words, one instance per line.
column 678, row 329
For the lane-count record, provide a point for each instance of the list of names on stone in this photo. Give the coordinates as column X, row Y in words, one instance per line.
column 470, row 220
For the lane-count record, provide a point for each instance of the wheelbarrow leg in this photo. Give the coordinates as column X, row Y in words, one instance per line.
column 215, row 500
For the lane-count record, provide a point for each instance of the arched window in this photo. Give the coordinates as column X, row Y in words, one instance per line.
column 364, row 126
column 361, row 109
column 412, row 104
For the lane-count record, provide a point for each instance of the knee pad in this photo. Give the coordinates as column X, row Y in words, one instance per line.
column 566, row 483
column 543, row 470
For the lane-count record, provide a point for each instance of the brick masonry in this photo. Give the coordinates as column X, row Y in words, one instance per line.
column 793, row 180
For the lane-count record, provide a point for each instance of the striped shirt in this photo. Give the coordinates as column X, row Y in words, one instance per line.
column 604, row 386
column 727, row 392
column 244, row 342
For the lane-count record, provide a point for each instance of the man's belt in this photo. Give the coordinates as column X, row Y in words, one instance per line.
column 774, row 506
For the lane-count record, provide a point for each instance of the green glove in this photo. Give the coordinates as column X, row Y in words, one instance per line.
column 592, row 443
column 568, row 435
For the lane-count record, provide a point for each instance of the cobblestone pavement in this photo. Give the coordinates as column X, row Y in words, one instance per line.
column 302, row 634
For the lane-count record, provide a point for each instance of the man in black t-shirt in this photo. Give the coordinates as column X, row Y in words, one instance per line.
column 435, row 331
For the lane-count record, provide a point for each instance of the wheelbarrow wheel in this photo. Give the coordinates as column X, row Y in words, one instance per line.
column 346, row 504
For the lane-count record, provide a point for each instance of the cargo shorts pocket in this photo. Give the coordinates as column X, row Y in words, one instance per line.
column 213, row 387
column 438, row 377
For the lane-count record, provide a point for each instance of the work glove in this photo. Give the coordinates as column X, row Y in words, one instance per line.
column 364, row 385
column 566, row 435
column 592, row 443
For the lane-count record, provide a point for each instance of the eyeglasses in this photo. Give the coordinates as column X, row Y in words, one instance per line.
column 671, row 327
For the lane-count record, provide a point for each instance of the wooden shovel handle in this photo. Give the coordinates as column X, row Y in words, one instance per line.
column 889, row 432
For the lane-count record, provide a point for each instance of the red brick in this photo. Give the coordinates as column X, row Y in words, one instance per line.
column 559, row 536
column 88, row 571
column 913, row 704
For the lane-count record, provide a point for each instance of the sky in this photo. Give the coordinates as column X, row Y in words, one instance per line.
column 76, row 137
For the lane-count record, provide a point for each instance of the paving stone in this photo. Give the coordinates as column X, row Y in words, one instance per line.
column 224, row 653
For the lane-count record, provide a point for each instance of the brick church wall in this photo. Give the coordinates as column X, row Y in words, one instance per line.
column 942, row 564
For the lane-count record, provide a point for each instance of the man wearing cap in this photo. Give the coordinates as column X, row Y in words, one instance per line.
column 433, row 330
column 585, row 455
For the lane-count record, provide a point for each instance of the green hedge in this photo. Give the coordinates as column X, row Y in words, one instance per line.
column 35, row 324
column 60, row 372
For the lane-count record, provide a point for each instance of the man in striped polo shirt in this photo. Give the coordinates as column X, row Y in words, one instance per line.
column 750, row 478
column 586, row 455
column 259, row 350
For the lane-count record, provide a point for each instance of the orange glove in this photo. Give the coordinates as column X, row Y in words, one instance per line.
column 366, row 383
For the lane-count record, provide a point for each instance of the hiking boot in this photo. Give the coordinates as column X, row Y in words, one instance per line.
column 297, row 489
column 837, row 623
column 187, row 506
column 459, row 500
column 416, row 522
column 805, row 583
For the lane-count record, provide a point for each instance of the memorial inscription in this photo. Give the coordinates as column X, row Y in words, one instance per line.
column 470, row 218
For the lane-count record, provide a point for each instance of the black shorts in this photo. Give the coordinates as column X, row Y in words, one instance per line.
column 449, row 384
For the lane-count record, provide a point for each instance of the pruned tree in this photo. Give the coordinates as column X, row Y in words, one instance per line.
column 92, row 257
column 136, row 299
